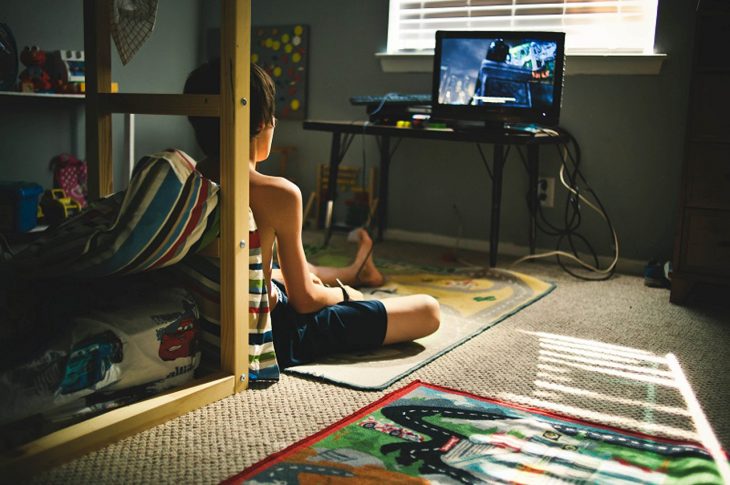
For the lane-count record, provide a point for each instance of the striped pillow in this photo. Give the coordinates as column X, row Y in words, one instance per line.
column 154, row 223
column 167, row 213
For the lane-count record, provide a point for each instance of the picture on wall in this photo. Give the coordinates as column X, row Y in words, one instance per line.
column 283, row 51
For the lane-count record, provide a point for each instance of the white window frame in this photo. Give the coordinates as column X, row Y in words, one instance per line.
column 632, row 59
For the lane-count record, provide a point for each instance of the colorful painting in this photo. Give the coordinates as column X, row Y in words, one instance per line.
column 424, row 433
column 283, row 51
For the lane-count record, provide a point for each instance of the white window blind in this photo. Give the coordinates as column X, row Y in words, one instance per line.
column 620, row 26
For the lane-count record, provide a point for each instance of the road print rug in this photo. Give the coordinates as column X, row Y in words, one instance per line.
column 471, row 302
column 424, row 433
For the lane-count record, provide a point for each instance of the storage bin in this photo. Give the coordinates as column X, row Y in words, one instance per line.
column 19, row 206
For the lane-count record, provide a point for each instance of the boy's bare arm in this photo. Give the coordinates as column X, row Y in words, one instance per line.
column 283, row 206
column 276, row 274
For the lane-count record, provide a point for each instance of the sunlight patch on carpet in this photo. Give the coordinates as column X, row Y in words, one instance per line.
column 618, row 386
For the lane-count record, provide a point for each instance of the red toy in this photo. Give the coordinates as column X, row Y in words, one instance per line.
column 34, row 78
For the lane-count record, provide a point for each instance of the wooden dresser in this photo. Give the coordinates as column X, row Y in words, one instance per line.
column 702, row 246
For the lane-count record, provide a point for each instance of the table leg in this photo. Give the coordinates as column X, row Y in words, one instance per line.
column 533, row 167
column 383, row 185
column 496, row 203
column 332, row 185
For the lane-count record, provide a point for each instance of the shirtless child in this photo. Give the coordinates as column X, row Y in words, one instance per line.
column 311, row 315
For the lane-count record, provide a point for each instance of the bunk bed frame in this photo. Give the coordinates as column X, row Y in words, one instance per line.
column 231, row 107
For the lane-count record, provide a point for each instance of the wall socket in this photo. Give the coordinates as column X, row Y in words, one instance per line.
column 546, row 191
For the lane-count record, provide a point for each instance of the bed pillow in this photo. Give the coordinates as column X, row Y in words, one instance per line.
column 127, row 333
column 154, row 223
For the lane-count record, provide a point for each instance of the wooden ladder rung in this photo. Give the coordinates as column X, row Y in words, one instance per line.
column 161, row 104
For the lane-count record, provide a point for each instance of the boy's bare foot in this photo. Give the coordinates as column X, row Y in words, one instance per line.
column 367, row 273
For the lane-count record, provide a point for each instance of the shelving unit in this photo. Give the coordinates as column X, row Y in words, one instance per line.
column 18, row 100
column 11, row 101
column 702, row 246
column 99, row 104
column 12, row 98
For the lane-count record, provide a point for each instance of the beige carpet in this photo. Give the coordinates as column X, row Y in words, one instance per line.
column 588, row 349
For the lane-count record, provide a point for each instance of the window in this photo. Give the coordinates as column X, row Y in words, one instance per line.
column 617, row 26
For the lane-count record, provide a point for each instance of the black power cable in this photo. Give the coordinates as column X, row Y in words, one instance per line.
column 575, row 184
column 572, row 218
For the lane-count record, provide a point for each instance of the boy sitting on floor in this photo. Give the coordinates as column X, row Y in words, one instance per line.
column 309, row 319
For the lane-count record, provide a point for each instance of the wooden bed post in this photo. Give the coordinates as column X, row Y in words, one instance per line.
column 98, row 431
column 97, row 47
column 234, row 196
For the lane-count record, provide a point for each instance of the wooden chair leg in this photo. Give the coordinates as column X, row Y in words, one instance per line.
column 371, row 214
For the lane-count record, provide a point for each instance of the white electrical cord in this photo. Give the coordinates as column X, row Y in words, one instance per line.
column 572, row 256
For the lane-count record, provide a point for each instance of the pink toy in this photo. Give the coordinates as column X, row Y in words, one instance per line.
column 69, row 174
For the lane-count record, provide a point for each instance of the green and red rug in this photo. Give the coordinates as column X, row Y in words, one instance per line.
column 424, row 433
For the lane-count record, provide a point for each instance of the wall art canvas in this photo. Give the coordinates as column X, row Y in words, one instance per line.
column 283, row 51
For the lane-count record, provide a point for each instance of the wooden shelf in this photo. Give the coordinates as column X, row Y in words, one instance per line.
column 12, row 98
column 162, row 104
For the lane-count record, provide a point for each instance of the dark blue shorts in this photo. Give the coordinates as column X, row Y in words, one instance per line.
column 345, row 327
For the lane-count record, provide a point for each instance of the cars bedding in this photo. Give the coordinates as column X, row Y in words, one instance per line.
column 112, row 351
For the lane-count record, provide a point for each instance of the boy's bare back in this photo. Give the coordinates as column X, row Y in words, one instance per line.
column 271, row 199
column 277, row 207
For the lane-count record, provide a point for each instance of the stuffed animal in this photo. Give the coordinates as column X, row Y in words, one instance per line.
column 34, row 78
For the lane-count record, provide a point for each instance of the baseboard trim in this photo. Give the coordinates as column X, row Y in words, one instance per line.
column 624, row 265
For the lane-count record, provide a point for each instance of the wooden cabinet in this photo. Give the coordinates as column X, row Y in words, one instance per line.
column 702, row 246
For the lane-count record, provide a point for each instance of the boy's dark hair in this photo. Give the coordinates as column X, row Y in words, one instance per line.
column 206, row 80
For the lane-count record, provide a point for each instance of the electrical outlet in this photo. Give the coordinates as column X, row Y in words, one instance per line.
column 546, row 191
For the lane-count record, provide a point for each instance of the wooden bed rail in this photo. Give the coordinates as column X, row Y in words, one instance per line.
column 160, row 104
column 58, row 447
column 233, row 109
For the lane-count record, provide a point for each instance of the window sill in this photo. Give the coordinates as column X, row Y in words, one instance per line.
column 575, row 64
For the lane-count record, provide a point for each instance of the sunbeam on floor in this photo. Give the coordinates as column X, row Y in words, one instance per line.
column 618, row 386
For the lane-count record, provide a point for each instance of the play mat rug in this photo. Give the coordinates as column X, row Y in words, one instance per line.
column 424, row 433
column 471, row 300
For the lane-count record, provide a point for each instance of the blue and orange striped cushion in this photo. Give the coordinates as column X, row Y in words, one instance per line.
column 154, row 223
column 167, row 213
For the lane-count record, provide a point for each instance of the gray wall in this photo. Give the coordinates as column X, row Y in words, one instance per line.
column 630, row 128
column 30, row 137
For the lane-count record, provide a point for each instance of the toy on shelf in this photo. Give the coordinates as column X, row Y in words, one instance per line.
column 70, row 174
column 18, row 202
column 57, row 206
column 68, row 70
column 34, row 78
column 114, row 87
column 60, row 71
